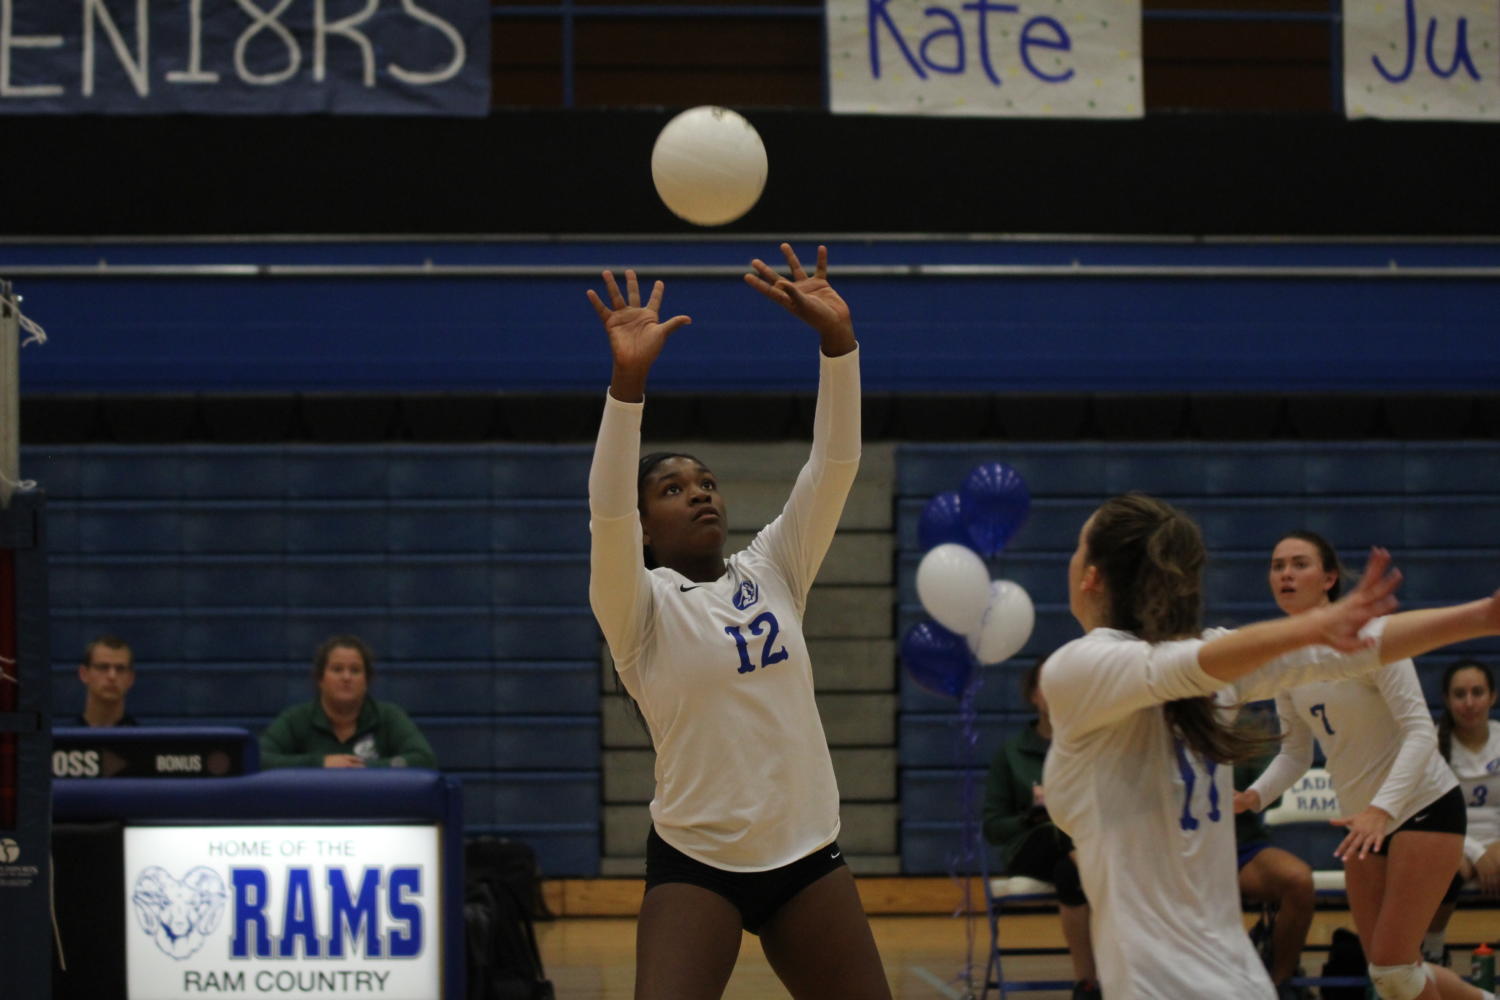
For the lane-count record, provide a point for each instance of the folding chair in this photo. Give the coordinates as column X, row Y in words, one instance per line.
column 1031, row 892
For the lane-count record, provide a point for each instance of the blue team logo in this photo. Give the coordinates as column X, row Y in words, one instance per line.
column 1492, row 766
column 178, row 915
column 747, row 595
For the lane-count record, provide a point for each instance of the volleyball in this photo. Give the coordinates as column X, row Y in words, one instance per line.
column 709, row 165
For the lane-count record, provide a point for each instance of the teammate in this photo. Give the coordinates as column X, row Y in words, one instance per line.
column 1401, row 803
column 1137, row 776
column 746, row 810
column 1470, row 740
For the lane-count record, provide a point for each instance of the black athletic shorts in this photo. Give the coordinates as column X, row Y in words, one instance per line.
column 1444, row 814
column 757, row 895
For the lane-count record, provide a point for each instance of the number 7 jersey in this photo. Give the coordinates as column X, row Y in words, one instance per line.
column 744, row 779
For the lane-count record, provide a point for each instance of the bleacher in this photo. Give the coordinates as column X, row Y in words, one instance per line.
column 1432, row 503
column 465, row 567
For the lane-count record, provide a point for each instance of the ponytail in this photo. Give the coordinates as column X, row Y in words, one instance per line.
column 1151, row 557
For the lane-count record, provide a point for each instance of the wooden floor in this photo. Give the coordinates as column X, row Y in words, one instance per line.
column 592, row 958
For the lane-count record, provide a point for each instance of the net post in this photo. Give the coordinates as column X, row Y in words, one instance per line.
column 10, row 392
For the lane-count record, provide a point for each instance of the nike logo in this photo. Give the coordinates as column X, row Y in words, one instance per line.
column 834, row 855
column 1419, row 818
column 685, row 588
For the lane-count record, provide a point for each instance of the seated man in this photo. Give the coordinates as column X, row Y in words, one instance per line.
column 343, row 726
column 1271, row 875
column 107, row 673
column 1015, row 819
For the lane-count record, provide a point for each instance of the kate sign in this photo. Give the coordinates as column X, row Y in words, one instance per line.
column 1059, row 58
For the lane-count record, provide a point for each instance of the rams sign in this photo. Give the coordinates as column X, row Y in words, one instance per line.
column 282, row 911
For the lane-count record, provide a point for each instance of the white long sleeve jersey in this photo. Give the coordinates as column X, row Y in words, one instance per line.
column 744, row 780
column 1478, row 773
column 1152, row 821
column 1377, row 735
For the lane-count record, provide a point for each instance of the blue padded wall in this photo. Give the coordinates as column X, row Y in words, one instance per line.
column 465, row 567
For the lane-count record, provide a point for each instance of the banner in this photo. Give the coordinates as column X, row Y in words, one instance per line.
column 259, row 57
column 282, row 911
column 1427, row 59
column 1064, row 58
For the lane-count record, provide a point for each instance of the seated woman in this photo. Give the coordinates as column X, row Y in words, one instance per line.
column 343, row 726
column 1016, row 820
column 1470, row 741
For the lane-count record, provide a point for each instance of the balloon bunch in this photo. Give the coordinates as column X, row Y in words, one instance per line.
column 977, row 621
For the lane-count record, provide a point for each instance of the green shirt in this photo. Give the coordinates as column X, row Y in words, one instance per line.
column 1008, row 797
column 384, row 736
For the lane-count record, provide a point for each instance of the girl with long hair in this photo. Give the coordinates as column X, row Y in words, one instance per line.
column 1139, row 773
column 746, row 810
column 1400, row 801
column 1470, row 741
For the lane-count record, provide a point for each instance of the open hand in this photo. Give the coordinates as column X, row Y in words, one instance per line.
column 1366, row 833
column 636, row 332
column 1339, row 623
column 810, row 299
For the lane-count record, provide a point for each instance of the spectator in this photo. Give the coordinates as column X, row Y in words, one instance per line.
column 343, row 726
column 107, row 673
column 1016, row 820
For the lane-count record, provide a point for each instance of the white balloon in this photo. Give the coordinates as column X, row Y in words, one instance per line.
column 954, row 586
column 709, row 165
column 1005, row 625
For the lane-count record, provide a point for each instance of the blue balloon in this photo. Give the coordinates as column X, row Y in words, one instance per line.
column 943, row 522
column 937, row 659
column 995, row 502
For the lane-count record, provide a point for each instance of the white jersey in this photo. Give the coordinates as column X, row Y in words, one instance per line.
column 1478, row 774
column 744, row 780
column 1152, row 821
column 1378, row 737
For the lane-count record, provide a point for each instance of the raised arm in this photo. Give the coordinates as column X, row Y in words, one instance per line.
column 618, row 582
column 798, row 540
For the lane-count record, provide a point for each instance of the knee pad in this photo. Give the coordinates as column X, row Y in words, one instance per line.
column 1067, row 883
column 1400, row 982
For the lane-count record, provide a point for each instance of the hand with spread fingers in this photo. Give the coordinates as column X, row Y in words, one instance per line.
column 1366, row 833
column 636, row 333
column 811, row 299
column 1339, row 623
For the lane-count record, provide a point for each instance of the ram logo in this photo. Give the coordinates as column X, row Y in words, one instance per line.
column 179, row 916
column 747, row 595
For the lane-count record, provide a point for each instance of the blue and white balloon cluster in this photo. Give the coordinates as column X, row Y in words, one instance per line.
column 977, row 621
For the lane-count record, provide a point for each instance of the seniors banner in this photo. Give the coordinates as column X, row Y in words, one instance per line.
column 1062, row 58
column 1427, row 59
column 245, row 56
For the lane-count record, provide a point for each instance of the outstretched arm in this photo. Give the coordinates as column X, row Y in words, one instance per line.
column 1338, row 625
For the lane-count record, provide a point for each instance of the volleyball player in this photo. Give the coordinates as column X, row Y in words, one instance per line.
column 1470, row 741
column 746, row 810
column 1138, row 774
column 1400, row 800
